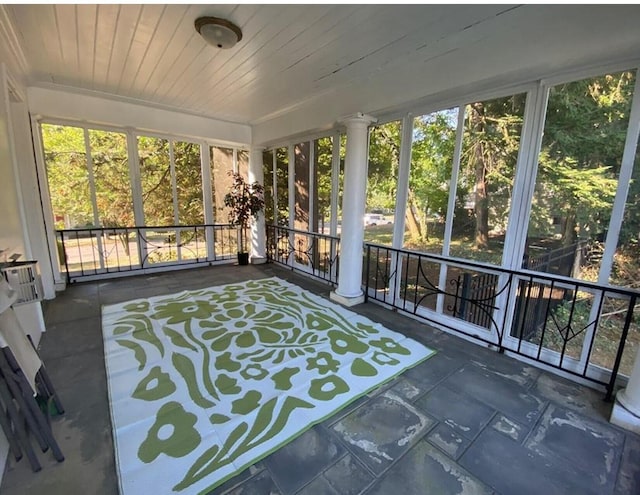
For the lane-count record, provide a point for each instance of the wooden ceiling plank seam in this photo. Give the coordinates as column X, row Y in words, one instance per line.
column 171, row 58
column 161, row 77
column 77, row 29
column 65, row 15
column 15, row 49
column 147, row 24
column 58, row 31
column 275, row 74
column 236, row 13
column 392, row 23
column 179, row 27
column 382, row 55
column 107, row 23
column 324, row 36
column 346, row 25
column 297, row 28
column 272, row 44
column 35, row 44
column 112, row 46
column 86, row 37
column 180, row 74
column 445, row 45
column 126, row 39
column 47, row 28
column 276, row 71
column 247, row 44
column 153, row 45
column 254, row 42
column 95, row 49
column 404, row 54
column 183, row 76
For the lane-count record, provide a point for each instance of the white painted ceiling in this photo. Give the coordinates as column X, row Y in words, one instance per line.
column 296, row 57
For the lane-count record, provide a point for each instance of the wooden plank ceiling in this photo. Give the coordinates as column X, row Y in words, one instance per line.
column 289, row 54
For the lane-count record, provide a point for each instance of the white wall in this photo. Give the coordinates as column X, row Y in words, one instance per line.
column 62, row 104
column 11, row 232
column 14, row 237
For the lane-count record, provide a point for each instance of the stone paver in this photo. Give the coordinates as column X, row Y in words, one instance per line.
column 497, row 392
column 510, row 468
column 468, row 420
column 448, row 440
column 561, row 433
column 426, row 470
column 301, row 460
column 348, row 476
column 463, row 413
column 379, row 432
column 509, row 427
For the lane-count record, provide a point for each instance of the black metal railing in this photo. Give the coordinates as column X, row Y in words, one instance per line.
column 308, row 252
column 576, row 326
column 104, row 251
column 560, row 261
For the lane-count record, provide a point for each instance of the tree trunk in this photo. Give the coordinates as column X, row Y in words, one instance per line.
column 569, row 234
column 412, row 222
column 481, row 207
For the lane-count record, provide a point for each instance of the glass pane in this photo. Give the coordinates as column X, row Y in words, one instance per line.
column 243, row 163
column 323, row 158
column 221, row 160
column 343, row 153
column 301, row 191
column 111, row 175
column 434, row 137
column 155, row 176
column 267, row 159
column 382, row 178
column 301, row 170
column 282, row 186
column 187, row 161
column 489, row 154
column 625, row 273
column 578, row 169
column 67, row 175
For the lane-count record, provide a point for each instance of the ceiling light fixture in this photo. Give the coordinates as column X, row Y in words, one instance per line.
column 218, row 32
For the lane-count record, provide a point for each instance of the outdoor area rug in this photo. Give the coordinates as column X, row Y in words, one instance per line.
column 204, row 383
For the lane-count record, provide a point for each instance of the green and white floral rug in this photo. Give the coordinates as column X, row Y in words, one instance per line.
column 204, row 383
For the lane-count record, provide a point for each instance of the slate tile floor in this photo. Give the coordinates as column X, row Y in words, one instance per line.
column 466, row 421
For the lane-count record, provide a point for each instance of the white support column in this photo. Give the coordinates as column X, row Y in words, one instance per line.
column 258, row 230
column 349, row 291
column 626, row 410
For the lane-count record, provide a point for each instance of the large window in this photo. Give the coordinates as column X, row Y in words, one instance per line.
column 491, row 141
column 93, row 182
column 188, row 183
column 282, row 186
column 382, row 178
column 432, row 150
column 155, row 179
column 221, row 162
column 267, row 159
column 578, row 168
column 66, row 164
column 323, row 154
column 110, row 162
column 302, row 197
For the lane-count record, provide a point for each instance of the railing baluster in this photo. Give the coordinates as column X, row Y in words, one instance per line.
column 623, row 339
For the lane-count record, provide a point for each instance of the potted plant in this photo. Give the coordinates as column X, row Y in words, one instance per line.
column 245, row 201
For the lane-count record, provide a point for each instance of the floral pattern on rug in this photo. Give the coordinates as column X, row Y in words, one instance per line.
column 204, row 383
